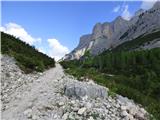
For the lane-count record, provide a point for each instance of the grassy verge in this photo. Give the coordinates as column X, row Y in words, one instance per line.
column 124, row 85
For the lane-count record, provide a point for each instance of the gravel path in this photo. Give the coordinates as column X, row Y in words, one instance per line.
column 40, row 91
column 41, row 97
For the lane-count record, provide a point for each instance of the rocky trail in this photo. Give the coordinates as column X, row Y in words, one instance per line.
column 53, row 95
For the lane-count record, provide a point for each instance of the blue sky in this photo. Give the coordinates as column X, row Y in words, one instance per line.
column 60, row 24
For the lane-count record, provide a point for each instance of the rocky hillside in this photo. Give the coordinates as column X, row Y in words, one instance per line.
column 108, row 35
column 57, row 96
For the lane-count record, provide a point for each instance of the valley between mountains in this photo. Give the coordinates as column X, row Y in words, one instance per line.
column 54, row 95
column 113, row 74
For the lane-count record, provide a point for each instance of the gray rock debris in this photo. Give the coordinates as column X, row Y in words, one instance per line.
column 41, row 97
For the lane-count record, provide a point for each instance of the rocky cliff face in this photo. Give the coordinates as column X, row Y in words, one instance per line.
column 108, row 35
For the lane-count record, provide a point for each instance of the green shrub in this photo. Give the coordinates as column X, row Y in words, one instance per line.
column 136, row 74
column 28, row 58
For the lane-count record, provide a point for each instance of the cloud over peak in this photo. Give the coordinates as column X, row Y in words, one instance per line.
column 126, row 14
column 123, row 10
column 147, row 4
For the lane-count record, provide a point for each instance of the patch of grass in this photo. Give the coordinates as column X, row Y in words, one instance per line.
column 95, row 115
column 116, row 86
column 112, row 94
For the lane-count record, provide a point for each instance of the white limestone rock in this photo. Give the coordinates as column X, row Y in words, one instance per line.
column 81, row 111
column 110, row 34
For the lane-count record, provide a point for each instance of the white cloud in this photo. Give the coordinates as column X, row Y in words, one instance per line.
column 126, row 14
column 53, row 49
column 41, row 49
column 18, row 31
column 124, row 10
column 57, row 50
column 147, row 4
column 116, row 9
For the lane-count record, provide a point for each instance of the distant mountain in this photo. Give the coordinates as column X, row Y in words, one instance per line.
column 110, row 35
column 28, row 58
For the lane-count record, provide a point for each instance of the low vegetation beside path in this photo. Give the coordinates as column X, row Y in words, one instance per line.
column 133, row 74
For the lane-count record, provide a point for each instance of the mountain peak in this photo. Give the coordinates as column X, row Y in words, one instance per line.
column 119, row 18
column 140, row 11
column 156, row 5
column 111, row 34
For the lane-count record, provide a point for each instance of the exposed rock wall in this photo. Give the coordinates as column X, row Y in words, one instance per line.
column 108, row 35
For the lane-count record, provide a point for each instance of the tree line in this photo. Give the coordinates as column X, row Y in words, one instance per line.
column 136, row 74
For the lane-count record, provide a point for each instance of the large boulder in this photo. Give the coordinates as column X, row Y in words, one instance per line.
column 80, row 90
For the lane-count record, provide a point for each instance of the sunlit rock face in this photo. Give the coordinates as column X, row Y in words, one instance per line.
column 110, row 34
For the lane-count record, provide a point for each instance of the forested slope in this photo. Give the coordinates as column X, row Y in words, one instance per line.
column 135, row 74
column 28, row 58
column 139, row 41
